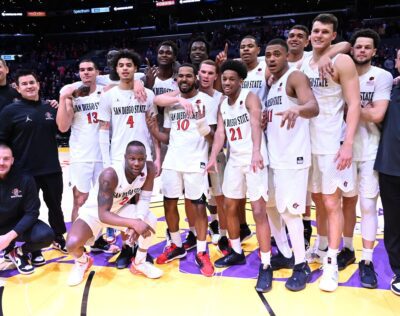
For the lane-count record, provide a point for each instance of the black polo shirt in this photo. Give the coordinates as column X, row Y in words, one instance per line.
column 7, row 95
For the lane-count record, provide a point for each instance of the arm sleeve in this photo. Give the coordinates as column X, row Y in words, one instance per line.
column 30, row 205
column 383, row 87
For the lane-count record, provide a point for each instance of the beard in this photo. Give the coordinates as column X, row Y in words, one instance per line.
column 187, row 89
column 362, row 62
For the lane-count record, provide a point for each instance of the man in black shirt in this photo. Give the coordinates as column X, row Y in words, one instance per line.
column 19, row 212
column 29, row 126
column 7, row 93
column 387, row 163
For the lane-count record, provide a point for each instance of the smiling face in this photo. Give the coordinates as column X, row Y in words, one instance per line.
column 28, row 87
column 231, row 82
column 322, row 35
column 363, row 50
column 125, row 69
column 88, row 73
column 297, row 40
column 165, row 55
column 198, row 52
column 186, row 79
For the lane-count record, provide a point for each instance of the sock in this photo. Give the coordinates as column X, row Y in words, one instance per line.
column 323, row 242
column 222, row 232
column 367, row 254
column 201, row 246
column 332, row 253
column 265, row 258
column 176, row 238
column 307, row 218
column 236, row 245
column 348, row 243
column 140, row 256
column 214, row 217
column 193, row 230
column 82, row 259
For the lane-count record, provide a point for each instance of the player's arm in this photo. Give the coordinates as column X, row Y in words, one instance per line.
column 204, row 129
column 65, row 113
column 325, row 65
column 152, row 125
column 108, row 181
column 218, row 143
column 298, row 86
column 349, row 81
column 253, row 105
column 143, row 204
column 104, row 117
column 167, row 99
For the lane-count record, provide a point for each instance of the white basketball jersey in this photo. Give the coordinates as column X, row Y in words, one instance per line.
column 375, row 84
column 164, row 86
column 300, row 61
column 287, row 149
column 187, row 149
column 128, row 120
column 236, row 119
column 326, row 128
column 84, row 139
column 255, row 82
column 124, row 190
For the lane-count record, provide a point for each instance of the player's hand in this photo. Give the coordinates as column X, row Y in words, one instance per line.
column 325, row 67
column 222, row 56
column 157, row 166
column 131, row 236
column 139, row 91
column 289, row 116
column 264, row 119
column 4, row 242
column 344, row 156
column 151, row 121
column 141, row 228
column 53, row 103
column 201, row 113
column 212, row 165
column 257, row 161
column 271, row 80
column 396, row 80
column 187, row 106
column 151, row 74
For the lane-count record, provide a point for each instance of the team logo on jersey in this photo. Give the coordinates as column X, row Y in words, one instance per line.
column 345, row 184
column 28, row 119
column 295, row 206
column 198, row 102
column 16, row 193
column 370, row 81
column 300, row 160
column 280, row 87
column 259, row 71
column 202, row 165
column 48, row 116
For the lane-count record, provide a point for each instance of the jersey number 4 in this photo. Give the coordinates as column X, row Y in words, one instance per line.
column 236, row 133
column 92, row 118
column 130, row 121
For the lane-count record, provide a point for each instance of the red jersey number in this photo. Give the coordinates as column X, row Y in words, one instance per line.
column 236, row 134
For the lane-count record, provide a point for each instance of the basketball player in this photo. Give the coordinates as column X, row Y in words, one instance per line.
column 199, row 50
column 120, row 109
column 7, row 93
column 188, row 131
column 108, row 206
column 375, row 88
column 331, row 173
column 239, row 119
column 290, row 103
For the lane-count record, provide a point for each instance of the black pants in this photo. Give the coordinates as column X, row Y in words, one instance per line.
column 39, row 236
column 52, row 188
column 390, row 196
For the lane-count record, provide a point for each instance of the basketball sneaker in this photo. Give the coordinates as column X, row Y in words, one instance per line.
column 124, row 257
column 214, row 231
column 345, row 258
column 279, row 261
column 223, row 245
column 171, row 253
column 59, row 244
column 330, row 276
column 245, row 232
column 395, row 284
column 190, row 241
column 149, row 257
column 204, row 263
column 231, row 259
column 264, row 280
column 307, row 233
column 299, row 278
column 111, row 235
column 167, row 239
column 37, row 258
column 147, row 269
column 21, row 261
column 100, row 245
column 316, row 255
column 367, row 274
column 78, row 271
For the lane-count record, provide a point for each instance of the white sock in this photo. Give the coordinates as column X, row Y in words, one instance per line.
column 307, row 218
column 322, row 242
column 278, row 231
column 140, row 257
column 201, row 246
column 265, row 258
column 295, row 227
column 214, row 217
column 222, row 232
column 236, row 245
column 193, row 230
column 367, row 254
column 176, row 238
column 82, row 259
column 332, row 253
column 348, row 243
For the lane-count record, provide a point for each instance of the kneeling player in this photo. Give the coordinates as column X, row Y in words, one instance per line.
column 107, row 206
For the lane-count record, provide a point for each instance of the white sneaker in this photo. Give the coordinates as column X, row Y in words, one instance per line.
column 147, row 269
column 315, row 255
column 78, row 271
column 330, row 277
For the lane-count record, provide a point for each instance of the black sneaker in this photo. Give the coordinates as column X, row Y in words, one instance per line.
column 100, row 245
column 124, row 257
column 59, row 244
column 300, row 276
column 264, row 280
column 223, row 245
column 395, row 284
column 21, row 261
column 279, row 261
column 171, row 253
column 231, row 259
column 190, row 242
column 245, row 232
column 37, row 258
column 214, row 231
column 367, row 274
column 345, row 258
column 149, row 257
column 307, row 233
